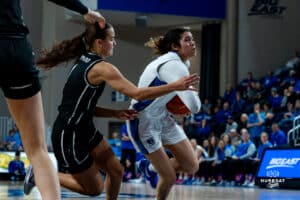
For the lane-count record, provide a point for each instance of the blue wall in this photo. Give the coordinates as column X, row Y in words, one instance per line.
column 197, row 8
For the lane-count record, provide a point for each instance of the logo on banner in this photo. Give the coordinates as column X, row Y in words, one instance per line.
column 283, row 163
column 267, row 8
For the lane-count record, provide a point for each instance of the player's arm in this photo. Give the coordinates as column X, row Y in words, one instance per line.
column 104, row 71
column 174, row 70
column 88, row 14
column 74, row 5
column 119, row 114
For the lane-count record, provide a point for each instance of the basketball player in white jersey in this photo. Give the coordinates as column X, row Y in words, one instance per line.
column 155, row 127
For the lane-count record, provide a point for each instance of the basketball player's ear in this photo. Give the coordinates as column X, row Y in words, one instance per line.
column 174, row 47
column 99, row 42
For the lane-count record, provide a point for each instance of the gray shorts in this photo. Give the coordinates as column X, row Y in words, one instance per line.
column 149, row 133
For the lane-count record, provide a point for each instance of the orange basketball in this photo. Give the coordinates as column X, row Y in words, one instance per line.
column 177, row 107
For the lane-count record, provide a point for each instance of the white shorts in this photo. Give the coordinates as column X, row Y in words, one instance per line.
column 149, row 133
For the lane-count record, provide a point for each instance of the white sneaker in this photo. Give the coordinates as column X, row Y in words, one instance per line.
column 251, row 184
column 246, row 183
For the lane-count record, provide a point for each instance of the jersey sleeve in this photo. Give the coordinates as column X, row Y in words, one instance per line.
column 171, row 72
column 74, row 5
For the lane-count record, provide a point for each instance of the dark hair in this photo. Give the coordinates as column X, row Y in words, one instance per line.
column 163, row 44
column 17, row 153
column 72, row 48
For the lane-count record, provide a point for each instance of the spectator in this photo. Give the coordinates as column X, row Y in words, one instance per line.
column 292, row 96
column 231, row 124
column 242, row 122
column 234, row 167
column 229, row 148
column 206, row 105
column 250, row 93
column 128, row 154
column 251, row 167
column 13, row 141
column 265, row 143
column 246, row 149
column 289, row 80
column 297, row 87
column 202, row 131
column 115, row 143
column 284, row 99
column 277, row 137
column 207, row 163
column 16, row 168
column 245, row 83
column 221, row 117
column 294, row 61
column 229, row 94
column 292, row 112
column 237, row 106
column 217, row 165
column 259, row 93
column 187, row 126
column 269, row 116
column 255, row 124
column 275, row 100
column 205, row 145
column 295, row 111
column 270, row 80
column 198, row 117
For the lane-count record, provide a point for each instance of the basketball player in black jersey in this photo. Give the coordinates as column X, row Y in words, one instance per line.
column 20, row 84
column 79, row 148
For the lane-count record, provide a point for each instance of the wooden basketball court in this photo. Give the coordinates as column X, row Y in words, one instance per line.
column 140, row 191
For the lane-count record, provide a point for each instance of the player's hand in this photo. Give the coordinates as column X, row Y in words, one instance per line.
column 188, row 82
column 94, row 16
column 126, row 114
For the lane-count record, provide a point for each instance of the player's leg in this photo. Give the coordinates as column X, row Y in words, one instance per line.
column 165, row 170
column 184, row 157
column 72, row 148
column 174, row 139
column 106, row 160
column 28, row 115
column 88, row 182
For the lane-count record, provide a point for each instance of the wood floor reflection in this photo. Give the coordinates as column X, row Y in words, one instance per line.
column 139, row 191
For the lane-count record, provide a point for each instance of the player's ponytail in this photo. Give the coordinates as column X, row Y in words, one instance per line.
column 163, row 44
column 73, row 48
column 62, row 52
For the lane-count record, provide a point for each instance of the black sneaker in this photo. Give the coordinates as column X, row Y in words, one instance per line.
column 29, row 182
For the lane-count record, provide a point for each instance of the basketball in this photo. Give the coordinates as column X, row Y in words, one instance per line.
column 177, row 107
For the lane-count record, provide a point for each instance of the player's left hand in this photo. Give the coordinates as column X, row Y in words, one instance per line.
column 126, row 114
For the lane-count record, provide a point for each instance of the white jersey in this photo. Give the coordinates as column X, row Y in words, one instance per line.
column 165, row 69
column 155, row 126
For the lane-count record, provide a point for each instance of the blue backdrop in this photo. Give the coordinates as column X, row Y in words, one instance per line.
column 197, row 8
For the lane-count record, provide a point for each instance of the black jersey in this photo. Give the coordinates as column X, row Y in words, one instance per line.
column 79, row 96
column 11, row 19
